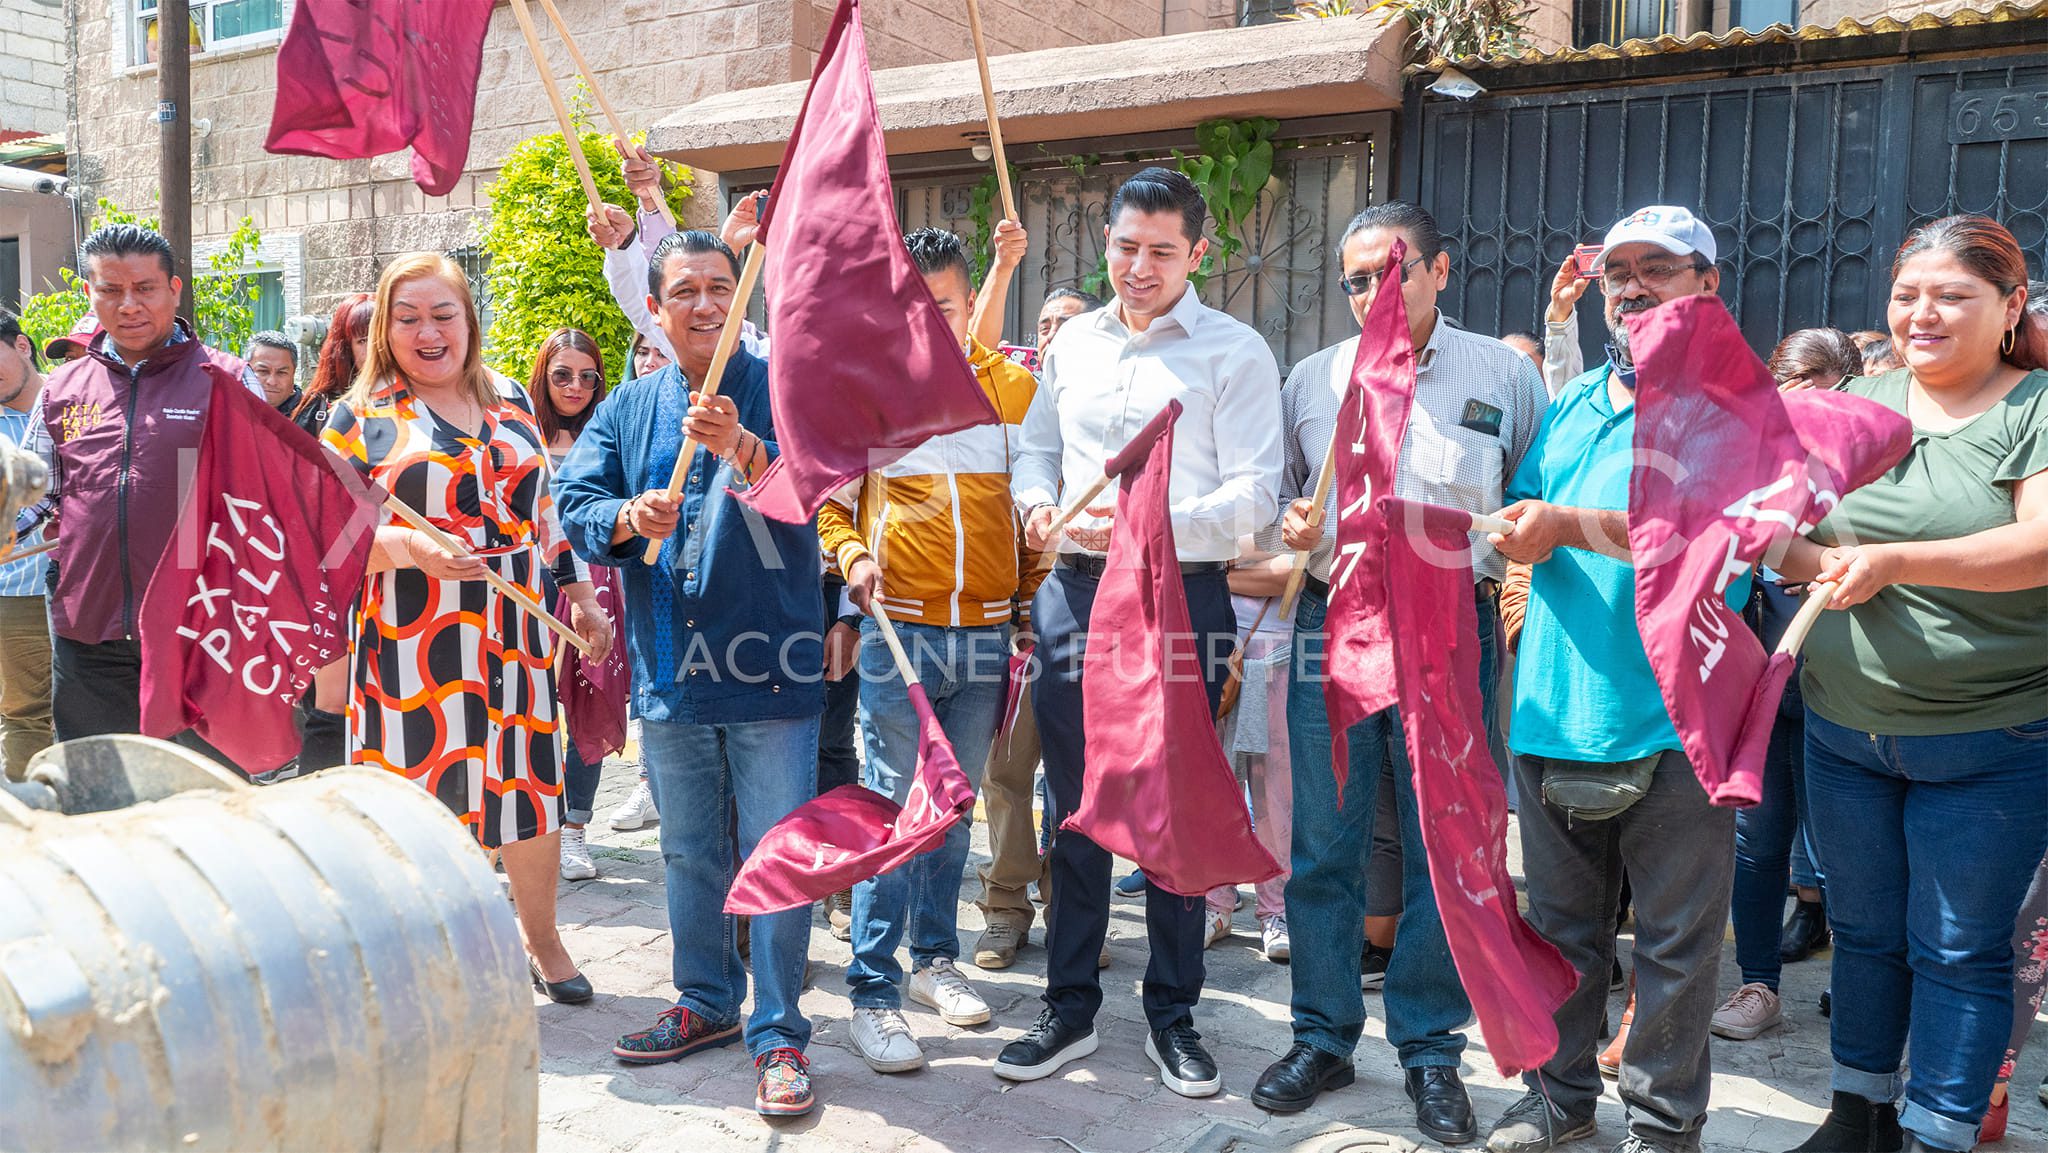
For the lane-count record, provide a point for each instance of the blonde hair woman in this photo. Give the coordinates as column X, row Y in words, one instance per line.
column 452, row 684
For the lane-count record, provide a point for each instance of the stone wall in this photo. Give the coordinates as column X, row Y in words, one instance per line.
column 649, row 55
column 32, row 66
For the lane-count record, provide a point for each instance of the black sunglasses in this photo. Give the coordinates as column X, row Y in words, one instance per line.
column 1365, row 282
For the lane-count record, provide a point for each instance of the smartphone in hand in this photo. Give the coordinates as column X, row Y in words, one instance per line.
column 1587, row 258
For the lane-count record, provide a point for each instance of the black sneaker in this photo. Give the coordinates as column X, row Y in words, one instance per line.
column 1533, row 1124
column 1372, row 966
column 1183, row 1064
column 1044, row 1047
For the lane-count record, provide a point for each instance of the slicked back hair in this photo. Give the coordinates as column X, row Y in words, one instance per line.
column 1087, row 300
column 691, row 240
column 119, row 240
column 1158, row 189
column 1410, row 220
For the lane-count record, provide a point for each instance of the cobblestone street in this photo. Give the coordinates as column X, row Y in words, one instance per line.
column 1767, row 1093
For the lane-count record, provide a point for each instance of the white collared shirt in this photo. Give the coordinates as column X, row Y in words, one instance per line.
column 1101, row 382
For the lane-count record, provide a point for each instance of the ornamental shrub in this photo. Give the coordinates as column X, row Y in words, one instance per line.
column 545, row 273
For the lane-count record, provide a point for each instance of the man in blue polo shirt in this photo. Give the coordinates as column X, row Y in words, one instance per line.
column 24, row 617
column 1604, row 785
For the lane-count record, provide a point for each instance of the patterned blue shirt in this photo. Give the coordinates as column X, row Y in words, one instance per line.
column 23, row 578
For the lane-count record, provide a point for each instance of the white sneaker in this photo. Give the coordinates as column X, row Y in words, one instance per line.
column 1218, row 927
column 1278, row 947
column 1747, row 1012
column 882, row 1038
column 637, row 810
column 941, row 986
column 576, row 862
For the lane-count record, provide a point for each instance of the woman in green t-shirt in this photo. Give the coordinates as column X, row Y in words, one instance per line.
column 1927, row 699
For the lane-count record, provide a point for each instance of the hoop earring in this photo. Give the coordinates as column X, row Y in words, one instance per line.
column 2011, row 341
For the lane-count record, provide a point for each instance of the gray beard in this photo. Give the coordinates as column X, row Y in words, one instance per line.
column 1617, row 331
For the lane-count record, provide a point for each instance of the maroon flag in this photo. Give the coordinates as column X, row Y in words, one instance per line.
column 359, row 78
column 1517, row 980
column 254, row 591
column 594, row 694
column 853, row 833
column 1728, row 470
column 1371, row 421
column 865, row 367
column 1156, row 787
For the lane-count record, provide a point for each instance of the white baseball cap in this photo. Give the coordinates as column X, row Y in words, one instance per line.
column 1675, row 230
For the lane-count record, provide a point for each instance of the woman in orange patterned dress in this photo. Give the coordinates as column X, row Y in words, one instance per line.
column 452, row 683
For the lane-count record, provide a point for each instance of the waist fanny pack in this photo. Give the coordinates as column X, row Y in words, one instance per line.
column 1597, row 790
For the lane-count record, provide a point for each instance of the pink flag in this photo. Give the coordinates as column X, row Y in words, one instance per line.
column 865, row 366
column 853, row 833
column 1156, row 787
column 1370, row 424
column 1728, row 470
column 359, row 78
column 594, row 694
column 254, row 591
column 1516, row 979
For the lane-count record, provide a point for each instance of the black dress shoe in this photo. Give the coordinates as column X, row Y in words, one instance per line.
column 1185, row 1066
column 573, row 991
column 1293, row 1083
column 1806, row 932
column 1044, row 1047
column 1443, row 1110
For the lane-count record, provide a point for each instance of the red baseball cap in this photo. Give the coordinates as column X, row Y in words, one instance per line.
column 74, row 342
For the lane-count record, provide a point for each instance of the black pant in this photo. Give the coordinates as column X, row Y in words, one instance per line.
column 1077, row 920
column 96, row 690
column 838, row 764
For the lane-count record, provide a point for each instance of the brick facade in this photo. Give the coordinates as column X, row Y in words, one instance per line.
column 32, row 66
column 344, row 220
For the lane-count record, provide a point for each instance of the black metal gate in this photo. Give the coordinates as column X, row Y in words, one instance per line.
column 1810, row 179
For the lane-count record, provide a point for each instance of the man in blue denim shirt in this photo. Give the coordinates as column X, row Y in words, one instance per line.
column 727, row 660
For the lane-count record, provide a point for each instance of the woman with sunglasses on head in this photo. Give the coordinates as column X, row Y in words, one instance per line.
column 1927, row 699
column 1771, row 838
column 566, row 385
column 1815, row 358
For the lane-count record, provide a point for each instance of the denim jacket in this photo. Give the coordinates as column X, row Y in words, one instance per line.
column 724, row 627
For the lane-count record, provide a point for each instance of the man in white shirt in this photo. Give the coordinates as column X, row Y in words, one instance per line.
column 1105, row 375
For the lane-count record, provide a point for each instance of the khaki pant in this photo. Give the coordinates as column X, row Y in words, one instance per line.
column 24, row 682
column 1013, row 840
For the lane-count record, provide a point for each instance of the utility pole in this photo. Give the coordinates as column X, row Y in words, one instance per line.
column 174, row 118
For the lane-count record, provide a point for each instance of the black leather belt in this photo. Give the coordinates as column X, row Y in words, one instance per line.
column 1486, row 588
column 1089, row 565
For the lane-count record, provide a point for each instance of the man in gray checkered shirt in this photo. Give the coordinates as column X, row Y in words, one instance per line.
column 1477, row 407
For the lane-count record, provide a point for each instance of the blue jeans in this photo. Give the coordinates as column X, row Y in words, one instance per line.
column 1929, row 843
column 579, row 784
column 699, row 773
column 964, row 672
column 1765, row 834
column 1425, row 1002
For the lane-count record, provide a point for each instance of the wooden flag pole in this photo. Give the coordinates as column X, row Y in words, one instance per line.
column 11, row 557
column 1079, row 506
column 889, row 638
column 547, row 79
column 995, row 143
column 988, row 102
column 1301, row 556
column 590, row 81
column 1818, row 598
column 728, row 339
column 411, row 516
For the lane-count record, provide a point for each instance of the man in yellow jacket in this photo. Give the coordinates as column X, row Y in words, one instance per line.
column 933, row 540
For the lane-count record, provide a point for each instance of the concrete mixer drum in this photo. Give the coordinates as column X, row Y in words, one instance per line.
column 191, row 962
